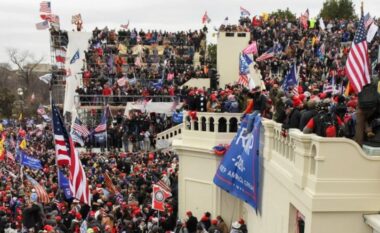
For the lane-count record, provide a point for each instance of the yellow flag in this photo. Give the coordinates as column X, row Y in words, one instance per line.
column 1, row 128
column 265, row 16
column 20, row 117
column 23, row 144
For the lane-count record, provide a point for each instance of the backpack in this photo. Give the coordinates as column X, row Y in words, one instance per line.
column 326, row 125
column 368, row 97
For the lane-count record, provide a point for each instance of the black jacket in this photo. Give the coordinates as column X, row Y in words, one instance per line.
column 191, row 224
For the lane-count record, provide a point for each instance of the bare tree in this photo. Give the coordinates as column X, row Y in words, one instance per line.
column 25, row 62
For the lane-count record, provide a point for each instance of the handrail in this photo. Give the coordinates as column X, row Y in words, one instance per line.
column 212, row 122
column 84, row 100
column 170, row 133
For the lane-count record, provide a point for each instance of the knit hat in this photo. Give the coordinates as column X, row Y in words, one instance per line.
column 296, row 102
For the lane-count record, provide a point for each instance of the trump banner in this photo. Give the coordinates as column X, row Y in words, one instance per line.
column 238, row 173
column 159, row 197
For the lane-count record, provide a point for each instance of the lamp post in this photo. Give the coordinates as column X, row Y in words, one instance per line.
column 20, row 93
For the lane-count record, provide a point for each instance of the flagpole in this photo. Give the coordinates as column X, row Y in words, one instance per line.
column 158, row 222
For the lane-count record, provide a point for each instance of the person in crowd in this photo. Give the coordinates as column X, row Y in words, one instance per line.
column 191, row 222
column 222, row 226
column 213, row 104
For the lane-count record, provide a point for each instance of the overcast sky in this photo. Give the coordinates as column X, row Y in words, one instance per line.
column 18, row 17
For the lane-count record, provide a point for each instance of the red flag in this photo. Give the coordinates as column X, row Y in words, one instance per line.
column 159, row 197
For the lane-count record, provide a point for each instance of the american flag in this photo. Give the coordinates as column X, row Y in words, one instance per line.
column 45, row 9
column 162, row 185
column 368, row 20
column 78, row 179
column 61, row 138
column 244, row 12
column 243, row 80
column 205, row 18
column 80, row 128
column 102, row 127
column 243, row 71
column 277, row 48
column 67, row 155
column 358, row 64
column 109, row 184
column 60, row 55
column 42, row 25
column 111, row 188
column 125, row 26
column 42, row 195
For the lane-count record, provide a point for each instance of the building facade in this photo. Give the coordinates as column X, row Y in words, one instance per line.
column 329, row 184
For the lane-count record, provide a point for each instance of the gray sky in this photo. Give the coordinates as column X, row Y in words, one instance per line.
column 18, row 17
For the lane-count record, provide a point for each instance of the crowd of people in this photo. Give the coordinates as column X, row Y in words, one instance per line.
column 322, row 101
column 131, row 62
column 123, row 206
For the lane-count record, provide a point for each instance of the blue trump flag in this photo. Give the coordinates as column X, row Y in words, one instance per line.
column 290, row 79
column 28, row 161
column 64, row 185
column 75, row 57
column 238, row 173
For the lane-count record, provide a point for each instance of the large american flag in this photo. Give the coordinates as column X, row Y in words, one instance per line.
column 42, row 195
column 358, row 65
column 80, row 128
column 78, row 179
column 61, row 138
column 277, row 48
column 67, row 155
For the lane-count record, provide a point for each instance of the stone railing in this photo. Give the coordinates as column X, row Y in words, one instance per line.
column 209, row 129
column 170, row 133
column 326, row 168
column 212, row 122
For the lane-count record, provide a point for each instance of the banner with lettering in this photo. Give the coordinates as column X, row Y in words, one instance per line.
column 238, row 173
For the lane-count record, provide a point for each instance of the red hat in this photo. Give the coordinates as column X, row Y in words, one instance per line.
column 58, row 218
column 109, row 203
column 188, row 213
column 214, row 222
column 322, row 95
column 48, row 228
column 296, row 102
column 92, row 214
column 78, row 216
column 213, row 97
column 241, row 221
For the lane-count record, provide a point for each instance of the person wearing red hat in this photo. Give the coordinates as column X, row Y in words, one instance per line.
column 214, row 228
column 191, row 222
column 293, row 114
column 213, row 104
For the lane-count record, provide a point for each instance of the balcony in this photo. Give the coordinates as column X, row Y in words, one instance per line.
column 208, row 129
column 115, row 101
column 330, row 181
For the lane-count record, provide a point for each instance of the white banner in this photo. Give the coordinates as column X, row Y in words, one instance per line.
column 78, row 43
